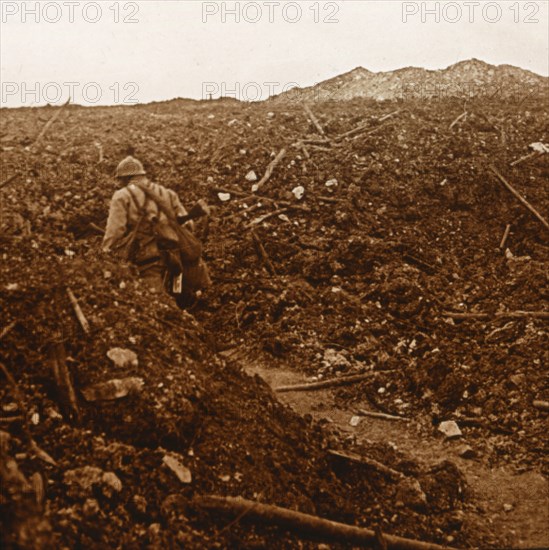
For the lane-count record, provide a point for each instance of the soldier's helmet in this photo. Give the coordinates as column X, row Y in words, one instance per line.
column 130, row 166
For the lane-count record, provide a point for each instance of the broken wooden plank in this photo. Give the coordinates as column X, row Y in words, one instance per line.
column 352, row 457
column 526, row 157
column 269, row 171
column 307, row 524
column 247, row 196
column 50, row 122
column 329, row 199
column 320, row 142
column 383, row 416
column 62, row 377
column 7, row 329
column 519, row 197
column 354, row 131
column 10, row 179
column 499, row 315
column 314, row 120
column 78, row 311
column 311, row 386
column 460, row 117
column 367, row 127
column 262, row 253
column 388, row 116
column 505, row 235
column 266, row 217
column 303, row 147
column 374, row 130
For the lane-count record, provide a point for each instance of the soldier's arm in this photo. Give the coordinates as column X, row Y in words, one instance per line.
column 116, row 223
column 179, row 209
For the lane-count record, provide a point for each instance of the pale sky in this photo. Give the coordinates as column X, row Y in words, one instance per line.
column 186, row 48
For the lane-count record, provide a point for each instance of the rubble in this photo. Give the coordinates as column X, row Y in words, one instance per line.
column 400, row 248
column 123, row 357
column 450, row 429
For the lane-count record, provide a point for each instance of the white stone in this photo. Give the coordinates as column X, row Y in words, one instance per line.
column 450, row 429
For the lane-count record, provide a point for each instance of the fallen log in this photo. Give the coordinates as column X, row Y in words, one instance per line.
column 505, row 235
column 343, row 381
column 541, row 405
column 306, row 524
column 352, row 457
column 519, row 197
column 383, row 416
column 500, row 315
column 269, row 171
column 78, row 311
column 314, row 120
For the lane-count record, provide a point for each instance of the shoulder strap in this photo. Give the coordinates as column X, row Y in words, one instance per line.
column 140, row 209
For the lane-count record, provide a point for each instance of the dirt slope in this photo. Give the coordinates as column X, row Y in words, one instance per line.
column 364, row 272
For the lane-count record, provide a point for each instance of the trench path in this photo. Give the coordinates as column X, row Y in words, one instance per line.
column 526, row 525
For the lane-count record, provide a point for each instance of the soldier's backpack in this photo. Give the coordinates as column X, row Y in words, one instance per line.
column 181, row 250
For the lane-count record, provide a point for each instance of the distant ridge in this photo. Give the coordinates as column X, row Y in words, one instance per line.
column 465, row 79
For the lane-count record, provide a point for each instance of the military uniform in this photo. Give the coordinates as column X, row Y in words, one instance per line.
column 130, row 208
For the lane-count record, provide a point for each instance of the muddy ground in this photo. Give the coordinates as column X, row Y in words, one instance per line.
column 357, row 277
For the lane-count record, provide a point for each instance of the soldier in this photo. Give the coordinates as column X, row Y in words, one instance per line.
column 131, row 211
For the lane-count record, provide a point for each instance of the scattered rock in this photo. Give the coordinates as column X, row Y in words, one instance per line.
column 410, row 494
column 80, row 482
column 450, row 429
column 355, row 421
column 123, row 357
column 251, row 176
column 176, row 466
column 113, row 389
column 298, row 192
column 466, row 451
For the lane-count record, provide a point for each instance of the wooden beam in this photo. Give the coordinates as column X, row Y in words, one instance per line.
column 307, row 524
column 520, row 198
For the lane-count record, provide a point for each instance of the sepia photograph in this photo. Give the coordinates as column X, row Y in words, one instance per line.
column 274, row 274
